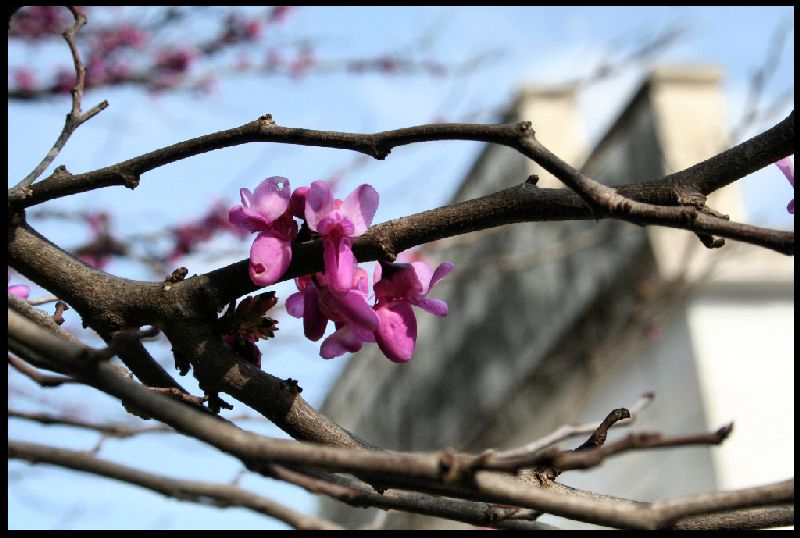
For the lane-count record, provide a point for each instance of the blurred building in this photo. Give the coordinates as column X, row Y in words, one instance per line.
column 552, row 323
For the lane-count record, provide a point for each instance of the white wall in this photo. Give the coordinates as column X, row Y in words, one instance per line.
column 745, row 357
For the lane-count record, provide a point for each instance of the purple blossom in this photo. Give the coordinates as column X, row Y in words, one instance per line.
column 239, row 28
column 35, row 22
column 338, row 222
column 175, row 60
column 18, row 290
column 397, row 287
column 317, row 303
column 787, row 167
column 24, row 79
column 267, row 211
column 302, row 63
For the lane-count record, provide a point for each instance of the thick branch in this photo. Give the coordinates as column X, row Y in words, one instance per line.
column 707, row 176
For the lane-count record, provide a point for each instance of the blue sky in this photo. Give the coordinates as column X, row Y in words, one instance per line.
column 525, row 45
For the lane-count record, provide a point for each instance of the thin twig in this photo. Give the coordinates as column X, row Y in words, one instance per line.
column 42, row 300
column 591, row 457
column 109, row 429
column 43, row 380
column 222, row 495
column 74, row 118
column 570, row 430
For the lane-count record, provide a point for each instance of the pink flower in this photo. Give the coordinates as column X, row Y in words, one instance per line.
column 18, row 290
column 338, row 222
column 787, row 168
column 175, row 60
column 317, row 303
column 397, row 287
column 274, row 60
column 267, row 211
column 35, row 22
column 64, row 81
column 297, row 203
column 302, row 63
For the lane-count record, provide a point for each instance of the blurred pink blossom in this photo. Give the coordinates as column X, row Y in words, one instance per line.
column 18, row 290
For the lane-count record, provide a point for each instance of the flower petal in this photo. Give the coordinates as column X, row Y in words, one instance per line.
column 424, row 275
column 351, row 307
column 319, row 202
column 787, row 167
column 297, row 203
column 360, row 207
column 397, row 331
column 437, row 307
column 346, row 338
column 397, row 281
column 294, row 305
column 271, row 197
column 247, row 219
column 269, row 257
column 314, row 321
column 340, row 262
column 441, row 271
column 19, row 290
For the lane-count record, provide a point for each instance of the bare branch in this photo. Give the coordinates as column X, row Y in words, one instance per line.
column 602, row 201
column 42, row 300
column 584, row 457
column 109, row 429
column 359, row 494
column 74, row 118
column 748, row 518
column 631, row 515
column 417, row 471
column 43, row 380
column 567, row 431
column 221, row 495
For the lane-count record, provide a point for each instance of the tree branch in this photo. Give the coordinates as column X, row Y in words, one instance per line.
column 221, row 495
column 415, row 471
column 108, row 429
column 748, row 518
column 44, row 381
column 74, row 118
column 705, row 177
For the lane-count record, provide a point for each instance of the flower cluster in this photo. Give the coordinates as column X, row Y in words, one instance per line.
column 129, row 52
column 339, row 293
column 36, row 22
